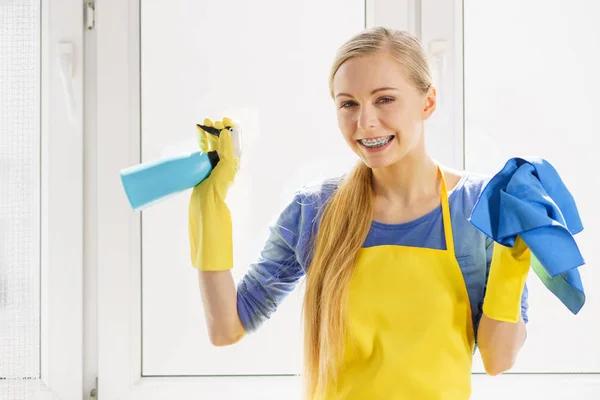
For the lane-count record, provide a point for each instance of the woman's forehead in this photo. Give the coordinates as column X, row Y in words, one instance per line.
column 365, row 74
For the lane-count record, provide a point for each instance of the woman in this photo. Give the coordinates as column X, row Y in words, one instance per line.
column 398, row 282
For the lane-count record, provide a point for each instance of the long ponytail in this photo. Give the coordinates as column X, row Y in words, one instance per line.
column 343, row 228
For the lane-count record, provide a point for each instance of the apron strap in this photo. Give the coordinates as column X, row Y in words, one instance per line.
column 446, row 220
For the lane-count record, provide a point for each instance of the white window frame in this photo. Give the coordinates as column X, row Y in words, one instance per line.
column 61, row 203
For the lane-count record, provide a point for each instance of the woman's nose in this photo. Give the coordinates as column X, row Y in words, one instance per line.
column 367, row 118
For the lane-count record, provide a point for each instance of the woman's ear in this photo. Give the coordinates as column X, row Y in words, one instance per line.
column 430, row 102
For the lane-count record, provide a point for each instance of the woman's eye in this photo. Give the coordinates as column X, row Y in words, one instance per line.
column 348, row 104
column 385, row 100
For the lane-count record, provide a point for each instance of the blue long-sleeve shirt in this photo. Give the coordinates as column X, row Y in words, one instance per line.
column 288, row 251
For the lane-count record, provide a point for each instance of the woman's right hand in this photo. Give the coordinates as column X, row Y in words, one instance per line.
column 209, row 218
column 210, row 233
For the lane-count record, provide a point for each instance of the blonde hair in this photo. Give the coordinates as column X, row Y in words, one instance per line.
column 345, row 223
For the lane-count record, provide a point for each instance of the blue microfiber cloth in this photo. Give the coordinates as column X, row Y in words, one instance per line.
column 528, row 198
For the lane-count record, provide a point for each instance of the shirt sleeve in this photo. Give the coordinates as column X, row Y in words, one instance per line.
column 275, row 273
column 524, row 297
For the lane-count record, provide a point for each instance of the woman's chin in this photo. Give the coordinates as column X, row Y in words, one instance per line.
column 378, row 162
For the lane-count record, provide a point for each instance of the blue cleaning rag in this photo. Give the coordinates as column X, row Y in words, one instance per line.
column 528, row 198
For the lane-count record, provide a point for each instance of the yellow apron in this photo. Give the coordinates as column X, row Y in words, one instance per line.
column 410, row 329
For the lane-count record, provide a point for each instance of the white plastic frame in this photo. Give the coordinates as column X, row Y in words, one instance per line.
column 61, row 202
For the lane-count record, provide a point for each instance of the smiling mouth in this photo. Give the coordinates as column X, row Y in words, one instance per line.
column 376, row 143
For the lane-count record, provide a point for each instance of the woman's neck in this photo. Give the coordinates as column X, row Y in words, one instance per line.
column 408, row 182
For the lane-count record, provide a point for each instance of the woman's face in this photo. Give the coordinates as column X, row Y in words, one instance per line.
column 380, row 113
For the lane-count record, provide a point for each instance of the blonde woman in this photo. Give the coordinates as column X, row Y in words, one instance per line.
column 398, row 282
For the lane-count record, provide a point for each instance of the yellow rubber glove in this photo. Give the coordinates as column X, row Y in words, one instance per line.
column 508, row 272
column 209, row 218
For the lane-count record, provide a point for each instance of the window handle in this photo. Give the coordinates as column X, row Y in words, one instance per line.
column 65, row 59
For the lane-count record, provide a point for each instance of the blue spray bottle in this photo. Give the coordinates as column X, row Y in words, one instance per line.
column 151, row 182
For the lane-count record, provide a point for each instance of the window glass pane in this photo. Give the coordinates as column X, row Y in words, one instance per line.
column 531, row 89
column 266, row 64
